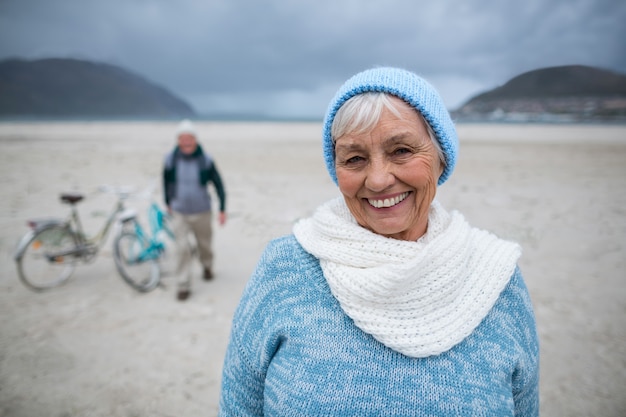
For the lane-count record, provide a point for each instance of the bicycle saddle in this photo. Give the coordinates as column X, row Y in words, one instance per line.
column 71, row 198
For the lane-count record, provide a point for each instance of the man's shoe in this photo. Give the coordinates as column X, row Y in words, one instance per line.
column 208, row 274
column 183, row 295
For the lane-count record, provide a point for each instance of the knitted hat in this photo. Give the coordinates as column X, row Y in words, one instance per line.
column 186, row 127
column 412, row 89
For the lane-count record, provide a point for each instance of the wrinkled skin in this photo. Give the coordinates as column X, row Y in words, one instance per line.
column 395, row 161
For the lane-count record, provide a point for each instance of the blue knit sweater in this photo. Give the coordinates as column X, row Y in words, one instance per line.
column 294, row 352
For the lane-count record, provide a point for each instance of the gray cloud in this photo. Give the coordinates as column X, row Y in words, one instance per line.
column 286, row 58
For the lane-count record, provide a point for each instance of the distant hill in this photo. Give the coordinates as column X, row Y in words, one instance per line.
column 564, row 93
column 71, row 88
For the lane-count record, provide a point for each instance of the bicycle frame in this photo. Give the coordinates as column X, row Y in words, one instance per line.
column 158, row 221
column 98, row 239
column 152, row 246
column 85, row 246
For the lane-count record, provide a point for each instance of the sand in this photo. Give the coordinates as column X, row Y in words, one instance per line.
column 95, row 347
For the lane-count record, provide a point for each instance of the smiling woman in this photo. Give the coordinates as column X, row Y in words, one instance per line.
column 383, row 295
column 388, row 173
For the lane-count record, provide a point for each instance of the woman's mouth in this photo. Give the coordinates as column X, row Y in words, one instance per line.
column 387, row 202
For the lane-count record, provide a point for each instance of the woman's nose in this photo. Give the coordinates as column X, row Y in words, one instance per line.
column 379, row 176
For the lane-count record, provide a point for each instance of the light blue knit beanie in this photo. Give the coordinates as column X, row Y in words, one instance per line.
column 410, row 88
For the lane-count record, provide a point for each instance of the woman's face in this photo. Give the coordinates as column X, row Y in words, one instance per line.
column 388, row 176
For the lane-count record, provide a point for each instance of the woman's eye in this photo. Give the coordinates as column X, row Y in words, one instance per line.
column 401, row 151
column 354, row 160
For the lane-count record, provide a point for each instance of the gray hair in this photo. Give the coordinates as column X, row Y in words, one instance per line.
column 362, row 112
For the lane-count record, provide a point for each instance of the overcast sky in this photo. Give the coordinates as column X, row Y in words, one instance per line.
column 286, row 58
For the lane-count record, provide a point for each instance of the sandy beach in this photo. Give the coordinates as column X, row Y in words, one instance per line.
column 95, row 347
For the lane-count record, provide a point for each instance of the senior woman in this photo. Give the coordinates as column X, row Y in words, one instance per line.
column 383, row 303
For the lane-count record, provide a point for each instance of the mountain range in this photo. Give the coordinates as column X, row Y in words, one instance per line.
column 72, row 88
column 78, row 89
column 563, row 93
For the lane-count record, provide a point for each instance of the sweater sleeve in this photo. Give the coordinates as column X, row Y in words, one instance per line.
column 253, row 339
column 525, row 379
column 216, row 179
column 168, row 179
column 242, row 385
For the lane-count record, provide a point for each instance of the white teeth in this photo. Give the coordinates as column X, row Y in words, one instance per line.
column 387, row 202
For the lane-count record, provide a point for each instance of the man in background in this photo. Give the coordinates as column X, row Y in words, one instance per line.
column 187, row 173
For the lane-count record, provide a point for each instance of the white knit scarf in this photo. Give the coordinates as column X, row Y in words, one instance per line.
column 418, row 298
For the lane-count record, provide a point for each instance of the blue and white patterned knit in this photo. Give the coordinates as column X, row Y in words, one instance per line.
column 294, row 352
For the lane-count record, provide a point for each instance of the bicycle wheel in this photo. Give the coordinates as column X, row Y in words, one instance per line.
column 47, row 259
column 136, row 263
